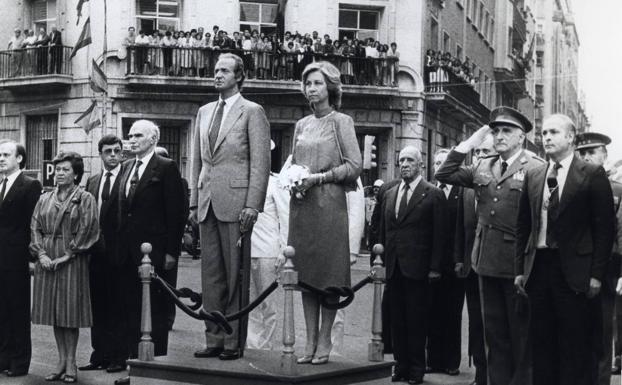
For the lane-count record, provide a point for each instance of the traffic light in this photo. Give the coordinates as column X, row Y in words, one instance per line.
column 369, row 153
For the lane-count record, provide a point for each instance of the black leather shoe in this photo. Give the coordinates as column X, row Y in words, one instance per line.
column 398, row 378
column 91, row 366
column 115, row 368
column 452, row 372
column 122, row 381
column 229, row 354
column 16, row 373
column 415, row 381
column 208, row 353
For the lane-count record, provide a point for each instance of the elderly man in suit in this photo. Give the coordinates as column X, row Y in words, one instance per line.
column 229, row 178
column 109, row 348
column 592, row 148
column 413, row 231
column 151, row 199
column 18, row 196
column 497, row 182
column 466, row 223
column 565, row 234
column 56, row 51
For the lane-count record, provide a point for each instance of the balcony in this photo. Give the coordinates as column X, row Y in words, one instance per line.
column 454, row 94
column 40, row 67
column 514, row 78
column 192, row 69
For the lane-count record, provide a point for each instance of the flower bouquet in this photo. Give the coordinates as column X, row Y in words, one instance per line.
column 292, row 177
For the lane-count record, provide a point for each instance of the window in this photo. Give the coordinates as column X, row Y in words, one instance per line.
column 44, row 14
column 539, row 94
column 434, row 34
column 539, row 58
column 259, row 16
column 162, row 15
column 480, row 22
column 358, row 23
column 485, row 21
column 41, row 139
column 469, row 5
column 459, row 51
column 491, row 31
column 446, row 42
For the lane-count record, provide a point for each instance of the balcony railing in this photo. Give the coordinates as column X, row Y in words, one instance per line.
column 261, row 65
column 441, row 80
column 35, row 61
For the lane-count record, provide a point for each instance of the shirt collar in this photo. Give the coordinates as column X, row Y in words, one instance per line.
column 231, row 99
column 412, row 185
column 565, row 163
column 114, row 171
column 512, row 158
column 145, row 159
column 11, row 178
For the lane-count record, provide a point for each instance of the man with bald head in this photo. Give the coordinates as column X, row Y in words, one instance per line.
column 152, row 203
column 565, row 233
column 412, row 229
column 18, row 196
column 497, row 182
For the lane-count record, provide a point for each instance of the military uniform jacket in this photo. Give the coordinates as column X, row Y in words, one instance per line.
column 497, row 198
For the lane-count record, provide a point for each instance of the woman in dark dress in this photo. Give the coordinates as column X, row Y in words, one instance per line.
column 324, row 142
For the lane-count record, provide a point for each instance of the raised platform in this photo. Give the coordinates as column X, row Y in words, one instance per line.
column 259, row 367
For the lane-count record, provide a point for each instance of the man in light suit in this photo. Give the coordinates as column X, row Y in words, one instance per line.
column 565, row 232
column 229, row 179
column 497, row 182
column 18, row 196
column 412, row 228
column 109, row 347
column 151, row 199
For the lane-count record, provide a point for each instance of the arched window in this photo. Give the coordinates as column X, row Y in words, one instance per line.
column 162, row 15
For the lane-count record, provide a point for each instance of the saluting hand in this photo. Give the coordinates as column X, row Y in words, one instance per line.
column 474, row 140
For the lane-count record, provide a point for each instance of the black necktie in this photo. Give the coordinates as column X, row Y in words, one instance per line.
column 134, row 180
column 106, row 189
column 504, row 167
column 213, row 132
column 403, row 202
column 3, row 190
column 551, row 214
column 442, row 186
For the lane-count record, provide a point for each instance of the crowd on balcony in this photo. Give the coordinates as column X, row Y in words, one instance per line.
column 266, row 56
column 439, row 65
column 31, row 54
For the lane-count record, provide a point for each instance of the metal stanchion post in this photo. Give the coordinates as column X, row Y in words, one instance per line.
column 289, row 280
column 375, row 348
column 145, row 347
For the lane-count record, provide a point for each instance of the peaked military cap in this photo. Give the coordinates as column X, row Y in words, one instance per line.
column 592, row 140
column 509, row 116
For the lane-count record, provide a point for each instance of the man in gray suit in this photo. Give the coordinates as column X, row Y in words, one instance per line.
column 229, row 178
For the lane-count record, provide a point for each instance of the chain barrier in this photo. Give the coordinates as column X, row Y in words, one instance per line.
column 332, row 291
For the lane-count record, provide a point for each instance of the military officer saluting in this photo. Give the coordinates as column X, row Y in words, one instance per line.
column 497, row 181
column 592, row 148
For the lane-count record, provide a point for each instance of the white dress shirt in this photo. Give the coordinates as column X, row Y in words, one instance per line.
column 562, row 174
column 411, row 188
column 355, row 201
column 509, row 162
column 114, row 173
column 9, row 182
column 145, row 159
column 270, row 232
column 445, row 190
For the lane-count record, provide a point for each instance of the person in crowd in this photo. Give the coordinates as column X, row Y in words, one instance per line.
column 167, row 44
column 466, row 224
column 185, row 54
column 318, row 227
column 497, row 182
column 154, row 58
column 230, row 168
column 18, row 196
column 56, row 50
column 141, row 42
column 128, row 41
column 268, row 241
column 447, row 294
column 109, row 349
column 394, row 65
column 413, row 221
column 370, row 205
column 43, row 39
column 359, row 51
column 30, row 63
column 592, row 148
column 64, row 227
column 565, row 235
column 290, row 61
column 15, row 45
column 152, row 210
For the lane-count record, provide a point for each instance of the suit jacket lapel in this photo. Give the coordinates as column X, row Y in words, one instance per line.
column 391, row 199
column 234, row 113
column 573, row 181
column 415, row 198
column 514, row 167
column 536, row 190
column 204, row 134
column 8, row 195
column 147, row 174
column 114, row 190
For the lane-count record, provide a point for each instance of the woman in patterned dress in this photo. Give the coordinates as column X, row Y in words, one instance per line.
column 325, row 142
column 64, row 226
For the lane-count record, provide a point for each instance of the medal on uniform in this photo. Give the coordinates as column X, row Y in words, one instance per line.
column 519, row 176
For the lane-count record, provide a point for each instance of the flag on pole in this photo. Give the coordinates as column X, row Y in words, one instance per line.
column 99, row 82
column 85, row 38
column 79, row 8
column 90, row 118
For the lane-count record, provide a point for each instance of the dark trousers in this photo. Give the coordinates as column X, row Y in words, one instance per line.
column 476, row 328
column 561, row 325
column 604, row 356
column 445, row 322
column 505, row 332
column 387, row 340
column 133, row 302
column 170, row 276
column 109, row 316
column 408, row 307
column 15, row 344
